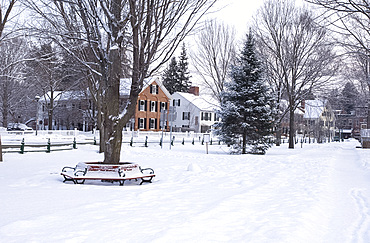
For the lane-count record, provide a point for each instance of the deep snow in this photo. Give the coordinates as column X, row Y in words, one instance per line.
column 318, row 193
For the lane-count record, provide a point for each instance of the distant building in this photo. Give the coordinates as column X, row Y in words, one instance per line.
column 194, row 112
column 319, row 119
column 153, row 100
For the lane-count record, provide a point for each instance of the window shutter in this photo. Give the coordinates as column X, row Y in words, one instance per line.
column 202, row 116
column 166, row 106
column 138, row 123
column 155, row 124
column 174, row 102
column 151, row 89
column 178, row 102
column 157, row 89
column 156, row 106
column 144, row 123
column 145, row 105
column 183, row 116
column 139, row 105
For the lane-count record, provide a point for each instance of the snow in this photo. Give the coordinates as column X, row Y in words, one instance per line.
column 318, row 193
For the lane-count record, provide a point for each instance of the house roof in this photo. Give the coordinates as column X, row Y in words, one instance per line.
column 125, row 86
column 62, row 95
column 314, row 108
column 203, row 102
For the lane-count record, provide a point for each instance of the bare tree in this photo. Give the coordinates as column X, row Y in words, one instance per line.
column 12, row 96
column 351, row 20
column 298, row 56
column 6, row 8
column 104, row 34
column 214, row 55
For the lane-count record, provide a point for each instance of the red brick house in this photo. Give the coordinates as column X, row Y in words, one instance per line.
column 152, row 100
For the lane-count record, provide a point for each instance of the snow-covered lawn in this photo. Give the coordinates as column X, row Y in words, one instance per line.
column 318, row 193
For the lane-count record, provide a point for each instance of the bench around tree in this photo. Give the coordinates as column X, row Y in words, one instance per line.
column 107, row 172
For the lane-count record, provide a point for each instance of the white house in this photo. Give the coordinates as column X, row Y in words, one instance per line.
column 193, row 112
column 319, row 118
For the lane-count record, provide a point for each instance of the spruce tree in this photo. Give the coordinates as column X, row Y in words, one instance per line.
column 349, row 97
column 183, row 71
column 170, row 76
column 246, row 105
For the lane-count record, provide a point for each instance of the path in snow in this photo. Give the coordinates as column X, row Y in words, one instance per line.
column 350, row 195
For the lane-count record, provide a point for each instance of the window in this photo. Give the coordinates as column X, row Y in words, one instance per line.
column 153, row 106
column 186, row 115
column 141, row 123
column 142, row 105
column 153, row 89
column 151, row 123
column 163, row 106
column 176, row 102
column 206, row 116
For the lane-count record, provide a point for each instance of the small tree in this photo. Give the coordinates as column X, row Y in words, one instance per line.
column 349, row 97
column 176, row 76
column 246, row 105
column 183, row 71
column 170, row 76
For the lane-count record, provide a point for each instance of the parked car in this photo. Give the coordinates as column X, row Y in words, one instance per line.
column 18, row 127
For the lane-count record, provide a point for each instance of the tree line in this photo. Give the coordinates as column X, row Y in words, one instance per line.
column 299, row 50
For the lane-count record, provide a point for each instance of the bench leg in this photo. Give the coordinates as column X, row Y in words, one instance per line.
column 79, row 181
column 121, row 182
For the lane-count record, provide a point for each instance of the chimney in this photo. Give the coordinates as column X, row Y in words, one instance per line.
column 194, row 90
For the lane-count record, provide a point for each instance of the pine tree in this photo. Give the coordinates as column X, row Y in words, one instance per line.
column 170, row 77
column 183, row 70
column 349, row 97
column 246, row 105
column 176, row 76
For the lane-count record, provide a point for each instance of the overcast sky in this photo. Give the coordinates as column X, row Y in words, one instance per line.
column 237, row 13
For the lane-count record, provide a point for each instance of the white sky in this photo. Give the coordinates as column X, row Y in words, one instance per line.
column 237, row 13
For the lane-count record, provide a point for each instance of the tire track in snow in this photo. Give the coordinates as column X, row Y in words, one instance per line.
column 361, row 231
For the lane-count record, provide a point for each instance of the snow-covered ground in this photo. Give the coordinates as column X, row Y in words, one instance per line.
column 318, row 193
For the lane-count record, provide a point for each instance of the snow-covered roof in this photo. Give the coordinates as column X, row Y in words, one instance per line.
column 203, row 102
column 314, row 109
column 125, row 85
column 63, row 95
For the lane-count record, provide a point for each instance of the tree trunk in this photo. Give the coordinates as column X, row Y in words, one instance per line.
column 278, row 134
column 112, row 126
column 1, row 151
column 368, row 116
column 291, row 127
column 244, row 143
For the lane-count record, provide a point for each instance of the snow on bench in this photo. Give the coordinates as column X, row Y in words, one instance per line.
column 107, row 172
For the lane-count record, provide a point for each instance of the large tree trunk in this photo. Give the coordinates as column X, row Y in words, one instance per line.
column 291, row 127
column 112, row 126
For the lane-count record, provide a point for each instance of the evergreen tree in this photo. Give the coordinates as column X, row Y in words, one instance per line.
column 349, row 97
column 176, row 76
column 183, row 71
column 246, row 105
column 170, row 77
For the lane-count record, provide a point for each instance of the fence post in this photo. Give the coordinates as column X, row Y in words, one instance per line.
column 94, row 140
column 22, row 146
column 48, row 146
column 146, row 142
column 1, row 151
column 183, row 141
column 132, row 141
column 160, row 142
column 74, row 143
column 192, row 142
